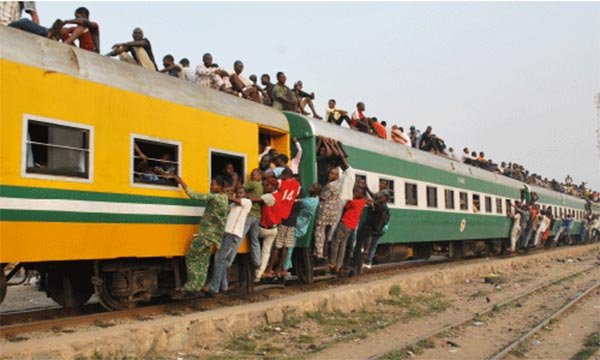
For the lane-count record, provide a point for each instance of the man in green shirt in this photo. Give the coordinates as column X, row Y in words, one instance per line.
column 210, row 232
column 283, row 97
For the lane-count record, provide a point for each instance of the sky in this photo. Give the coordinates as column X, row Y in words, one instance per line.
column 515, row 80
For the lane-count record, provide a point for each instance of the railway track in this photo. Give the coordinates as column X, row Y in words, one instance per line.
column 505, row 350
column 13, row 325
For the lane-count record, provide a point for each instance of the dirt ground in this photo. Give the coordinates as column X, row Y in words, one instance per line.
column 383, row 329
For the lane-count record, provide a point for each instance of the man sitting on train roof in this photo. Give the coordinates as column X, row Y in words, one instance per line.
column 399, row 136
column 11, row 15
column 359, row 121
column 242, row 86
column 284, row 98
column 378, row 129
column 189, row 74
column 415, row 136
column 267, row 91
column 210, row 76
column 431, row 142
column 336, row 115
column 86, row 32
column 305, row 99
column 170, row 67
column 140, row 50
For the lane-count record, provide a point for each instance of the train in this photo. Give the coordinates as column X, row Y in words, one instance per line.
column 78, row 206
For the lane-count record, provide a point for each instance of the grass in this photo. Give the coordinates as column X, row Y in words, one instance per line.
column 417, row 306
column 590, row 346
column 405, row 353
column 520, row 351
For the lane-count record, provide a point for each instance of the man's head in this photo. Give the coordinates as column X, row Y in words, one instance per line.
column 253, row 78
column 333, row 175
column 228, row 169
column 383, row 197
column 360, row 106
column 481, row 154
column 358, row 193
column 466, row 151
column 383, row 184
column 207, row 59
column 238, row 66
column 270, row 184
column 265, row 79
column 281, row 160
column 429, row 129
column 82, row 13
column 412, row 128
column 474, row 154
column 394, row 127
column 137, row 34
column 281, row 78
column 265, row 162
column 384, row 124
column 240, row 193
column 217, row 184
column 168, row 60
column 287, row 173
column 331, row 103
column 298, row 85
column 255, row 175
column 451, row 149
column 401, row 128
column 184, row 62
column 315, row 190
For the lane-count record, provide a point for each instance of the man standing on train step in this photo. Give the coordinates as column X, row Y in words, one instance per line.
column 210, row 232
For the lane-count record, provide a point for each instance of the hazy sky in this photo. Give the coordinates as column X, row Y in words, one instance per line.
column 516, row 80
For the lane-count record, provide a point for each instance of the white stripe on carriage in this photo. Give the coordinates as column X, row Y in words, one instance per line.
column 98, row 207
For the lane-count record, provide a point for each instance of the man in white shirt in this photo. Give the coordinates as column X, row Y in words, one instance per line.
column 242, row 86
column 234, row 230
column 212, row 76
column 188, row 73
column 466, row 157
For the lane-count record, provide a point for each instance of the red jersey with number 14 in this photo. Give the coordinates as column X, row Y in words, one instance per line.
column 285, row 197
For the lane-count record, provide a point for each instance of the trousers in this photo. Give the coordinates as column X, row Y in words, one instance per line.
column 268, row 236
column 224, row 256
column 337, row 249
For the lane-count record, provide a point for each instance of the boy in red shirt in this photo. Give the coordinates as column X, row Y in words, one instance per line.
column 345, row 228
column 277, row 205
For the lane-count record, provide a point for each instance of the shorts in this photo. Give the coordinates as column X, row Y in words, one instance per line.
column 285, row 237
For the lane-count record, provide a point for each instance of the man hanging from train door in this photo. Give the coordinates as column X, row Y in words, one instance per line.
column 210, row 232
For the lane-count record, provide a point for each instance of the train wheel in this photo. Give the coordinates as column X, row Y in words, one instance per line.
column 246, row 274
column 302, row 262
column 69, row 286
column 3, row 285
column 102, row 284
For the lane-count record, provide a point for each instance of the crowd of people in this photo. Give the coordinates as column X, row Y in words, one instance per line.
column 272, row 210
column 532, row 225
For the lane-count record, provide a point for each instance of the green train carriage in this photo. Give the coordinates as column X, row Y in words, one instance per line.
column 436, row 201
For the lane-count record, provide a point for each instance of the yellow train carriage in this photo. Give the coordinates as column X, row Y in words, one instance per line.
column 74, row 192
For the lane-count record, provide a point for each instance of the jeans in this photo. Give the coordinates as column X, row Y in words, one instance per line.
column 251, row 229
column 373, row 248
column 223, row 257
column 29, row 26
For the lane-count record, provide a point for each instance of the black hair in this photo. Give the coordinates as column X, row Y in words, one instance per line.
column 238, row 61
column 401, row 128
column 384, row 123
column 287, row 171
column 265, row 75
column 83, row 10
column 206, row 54
column 332, row 100
column 184, row 62
column 219, row 180
column 279, row 73
column 283, row 157
column 169, row 57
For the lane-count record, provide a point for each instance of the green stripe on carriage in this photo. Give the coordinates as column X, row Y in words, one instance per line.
column 83, row 217
column 46, row 193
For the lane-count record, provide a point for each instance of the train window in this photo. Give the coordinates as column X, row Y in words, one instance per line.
column 561, row 212
column 432, row 197
column 57, row 149
column 464, row 200
column 476, row 203
column 154, row 161
column 498, row 205
column 488, row 204
column 387, row 184
column 449, row 199
column 220, row 160
column 411, row 194
column 508, row 207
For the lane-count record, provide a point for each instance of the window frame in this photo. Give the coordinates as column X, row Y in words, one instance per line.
column 451, row 191
column 499, row 209
column 91, row 150
column 427, row 188
column 488, row 201
column 473, row 203
column 230, row 153
column 392, row 200
column 132, row 138
column 406, row 183
column 466, row 201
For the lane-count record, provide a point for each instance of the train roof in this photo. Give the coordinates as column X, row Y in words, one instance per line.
column 32, row 50
column 388, row 148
